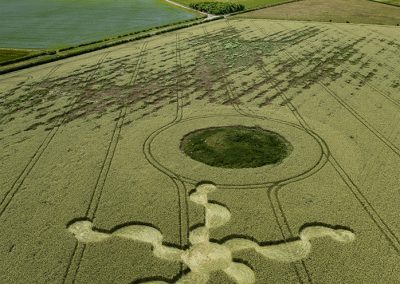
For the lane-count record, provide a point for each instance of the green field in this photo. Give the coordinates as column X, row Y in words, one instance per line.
column 12, row 54
column 60, row 23
column 95, row 188
column 249, row 4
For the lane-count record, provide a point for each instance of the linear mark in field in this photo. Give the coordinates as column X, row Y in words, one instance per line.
column 79, row 248
column 38, row 153
column 362, row 120
column 380, row 92
column 384, row 94
column 355, row 114
column 384, row 66
column 179, row 184
column 360, row 197
column 298, row 268
column 273, row 192
column 205, row 256
column 276, row 191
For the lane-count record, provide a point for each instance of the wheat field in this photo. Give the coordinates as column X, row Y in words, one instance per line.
column 95, row 189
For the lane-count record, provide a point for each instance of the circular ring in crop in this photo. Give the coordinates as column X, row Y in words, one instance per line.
column 235, row 146
column 306, row 156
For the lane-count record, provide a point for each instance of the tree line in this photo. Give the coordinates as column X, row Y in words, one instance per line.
column 217, row 8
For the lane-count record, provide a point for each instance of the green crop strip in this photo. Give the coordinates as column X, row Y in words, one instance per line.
column 7, row 55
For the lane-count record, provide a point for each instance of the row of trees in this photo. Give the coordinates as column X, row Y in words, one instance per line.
column 217, row 8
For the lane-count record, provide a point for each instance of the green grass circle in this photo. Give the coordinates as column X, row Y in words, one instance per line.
column 235, row 146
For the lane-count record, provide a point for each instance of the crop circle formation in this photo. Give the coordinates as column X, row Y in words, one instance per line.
column 235, row 146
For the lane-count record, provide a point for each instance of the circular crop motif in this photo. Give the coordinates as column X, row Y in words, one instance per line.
column 304, row 152
column 235, row 146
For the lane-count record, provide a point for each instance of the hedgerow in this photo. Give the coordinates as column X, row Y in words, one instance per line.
column 217, row 8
